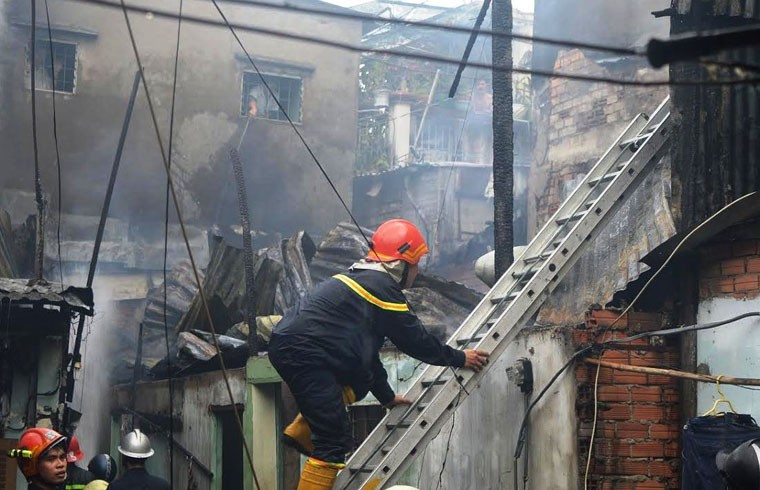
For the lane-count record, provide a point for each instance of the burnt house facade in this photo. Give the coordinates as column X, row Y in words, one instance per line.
column 37, row 318
column 93, row 67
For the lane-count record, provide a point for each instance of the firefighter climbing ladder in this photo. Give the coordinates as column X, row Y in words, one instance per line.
column 406, row 430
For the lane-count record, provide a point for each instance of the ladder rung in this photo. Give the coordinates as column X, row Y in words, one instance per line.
column 361, row 469
column 469, row 340
column 538, row 258
column 436, row 381
column 524, row 274
column 401, row 425
column 498, row 299
column 636, row 139
column 604, row 178
column 575, row 217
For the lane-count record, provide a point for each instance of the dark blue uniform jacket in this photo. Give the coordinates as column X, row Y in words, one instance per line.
column 342, row 324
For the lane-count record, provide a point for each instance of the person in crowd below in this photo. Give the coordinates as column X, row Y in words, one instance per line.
column 740, row 468
column 103, row 467
column 135, row 450
column 77, row 477
column 41, row 455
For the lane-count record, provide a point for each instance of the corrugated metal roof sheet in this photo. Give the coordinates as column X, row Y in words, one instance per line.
column 719, row 8
column 33, row 291
column 7, row 260
column 613, row 259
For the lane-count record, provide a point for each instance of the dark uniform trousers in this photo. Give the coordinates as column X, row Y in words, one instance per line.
column 332, row 338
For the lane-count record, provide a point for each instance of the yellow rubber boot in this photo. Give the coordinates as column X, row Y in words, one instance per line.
column 298, row 436
column 318, row 475
column 349, row 396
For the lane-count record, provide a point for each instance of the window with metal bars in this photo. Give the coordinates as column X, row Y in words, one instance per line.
column 287, row 89
column 61, row 67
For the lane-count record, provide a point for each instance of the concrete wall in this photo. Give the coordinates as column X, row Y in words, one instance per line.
column 480, row 451
column 207, row 120
column 731, row 350
column 728, row 278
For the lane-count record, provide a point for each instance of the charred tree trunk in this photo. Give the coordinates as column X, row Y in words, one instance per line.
column 245, row 222
column 503, row 144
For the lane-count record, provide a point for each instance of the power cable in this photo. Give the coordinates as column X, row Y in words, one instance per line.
column 448, row 441
column 456, row 151
column 468, row 47
column 656, row 333
column 166, row 246
column 633, row 302
column 55, row 138
column 40, row 247
column 290, row 7
column 187, row 241
column 282, row 109
column 429, row 57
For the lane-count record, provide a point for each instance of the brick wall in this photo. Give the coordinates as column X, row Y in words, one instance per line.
column 579, row 121
column 637, row 441
column 730, row 269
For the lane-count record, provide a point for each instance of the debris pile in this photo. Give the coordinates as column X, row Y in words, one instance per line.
column 283, row 273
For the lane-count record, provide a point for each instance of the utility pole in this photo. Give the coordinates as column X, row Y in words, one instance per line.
column 503, row 156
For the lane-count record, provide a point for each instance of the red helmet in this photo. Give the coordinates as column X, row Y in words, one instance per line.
column 33, row 443
column 74, row 453
column 397, row 239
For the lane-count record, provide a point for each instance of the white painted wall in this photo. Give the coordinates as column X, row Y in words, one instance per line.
column 480, row 454
column 731, row 350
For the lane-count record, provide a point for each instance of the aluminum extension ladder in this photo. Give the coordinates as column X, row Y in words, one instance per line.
column 406, row 430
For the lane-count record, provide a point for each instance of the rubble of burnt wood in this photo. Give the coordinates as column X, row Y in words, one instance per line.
column 283, row 273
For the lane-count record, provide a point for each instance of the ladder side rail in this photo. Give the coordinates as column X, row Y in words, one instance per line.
column 648, row 146
column 486, row 309
column 470, row 326
column 429, row 423
column 660, row 113
column 544, row 238
column 575, row 200
column 504, row 331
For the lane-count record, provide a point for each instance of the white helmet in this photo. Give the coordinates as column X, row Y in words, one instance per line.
column 135, row 444
column 402, row 487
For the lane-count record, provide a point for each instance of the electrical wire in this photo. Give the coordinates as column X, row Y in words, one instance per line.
column 656, row 333
column 166, row 246
column 290, row 7
column 276, row 99
column 456, row 151
column 468, row 48
column 435, row 58
column 714, row 216
column 448, row 442
column 187, row 241
column 55, row 139
column 433, row 25
column 39, row 249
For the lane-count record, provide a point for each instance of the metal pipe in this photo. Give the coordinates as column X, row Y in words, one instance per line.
column 76, row 356
column 427, row 106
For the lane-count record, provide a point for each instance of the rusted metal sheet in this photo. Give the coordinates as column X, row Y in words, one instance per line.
column 718, row 8
column 7, row 260
column 43, row 292
column 613, row 259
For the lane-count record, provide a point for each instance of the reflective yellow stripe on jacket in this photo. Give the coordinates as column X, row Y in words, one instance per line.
column 358, row 289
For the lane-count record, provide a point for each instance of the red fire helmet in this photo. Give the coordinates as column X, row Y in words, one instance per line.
column 397, row 239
